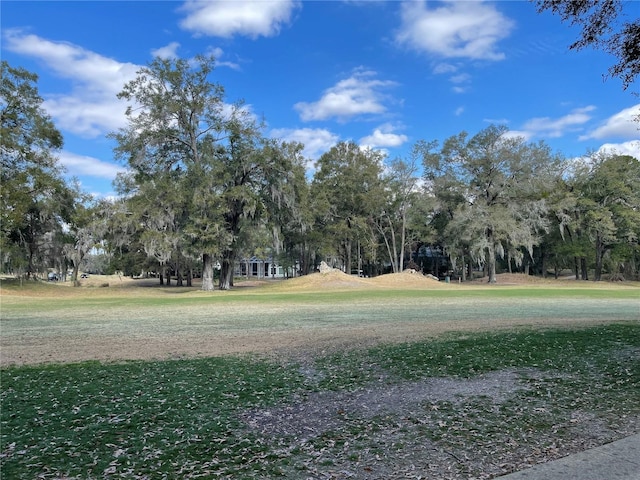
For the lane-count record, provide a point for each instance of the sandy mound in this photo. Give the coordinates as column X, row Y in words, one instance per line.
column 406, row 279
column 338, row 280
column 334, row 279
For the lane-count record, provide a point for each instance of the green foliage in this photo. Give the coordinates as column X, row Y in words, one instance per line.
column 492, row 189
column 605, row 25
column 348, row 190
column 202, row 176
column 608, row 203
column 35, row 201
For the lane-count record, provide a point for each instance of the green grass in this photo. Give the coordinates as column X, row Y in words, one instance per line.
column 182, row 419
column 157, row 418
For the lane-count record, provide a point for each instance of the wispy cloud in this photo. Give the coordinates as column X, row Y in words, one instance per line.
column 89, row 166
column 90, row 107
column 224, row 18
column 218, row 54
column 360, row 94
column 442, row 68
column 624, row 124
column 557, row 127
column 454, row 29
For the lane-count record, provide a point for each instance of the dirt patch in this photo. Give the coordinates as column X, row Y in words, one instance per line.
column 326, row 410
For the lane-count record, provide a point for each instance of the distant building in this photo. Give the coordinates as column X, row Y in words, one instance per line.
column 267, row 268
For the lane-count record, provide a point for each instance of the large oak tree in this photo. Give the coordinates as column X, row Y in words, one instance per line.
column 497, row 185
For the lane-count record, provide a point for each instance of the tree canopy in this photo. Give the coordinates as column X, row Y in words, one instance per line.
column 605, row 24
column 34, row 199
column 206, row 188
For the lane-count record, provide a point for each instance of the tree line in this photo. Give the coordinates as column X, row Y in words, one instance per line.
column 205, row 187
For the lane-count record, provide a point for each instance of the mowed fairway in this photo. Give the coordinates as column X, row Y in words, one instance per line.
column 53, row 323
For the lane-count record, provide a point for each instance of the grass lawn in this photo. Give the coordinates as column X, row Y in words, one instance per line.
column 447, row 383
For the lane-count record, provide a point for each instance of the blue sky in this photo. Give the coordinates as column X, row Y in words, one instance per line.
column 383, row 74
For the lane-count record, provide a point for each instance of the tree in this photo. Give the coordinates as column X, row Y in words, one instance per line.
column 34, row 200
column 610, row 201
column 498, row 184
column 84, row 230
column 347, row 182
column 211, row 171
column 602, row 28
column 256, row 178
column 175, row 125
column 391, row 222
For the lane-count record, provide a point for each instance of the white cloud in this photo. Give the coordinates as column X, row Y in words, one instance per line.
column 518, row 134
column 458, row 111
column 168, row 51
column 631, row 148
column 224, row 18
column 461, row 78
column 624, row 124
column 89, row 166
column 316, row 141
column 218, row 53
column 359, row 94
column 91, row 108
column 460, row 82
column 442, row 68
column 454, row 29
column 88, row 118
column 383, row 136
column 557, row 127
column 88, row 69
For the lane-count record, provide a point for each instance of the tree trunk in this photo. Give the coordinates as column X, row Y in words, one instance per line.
column 207, row 273
column 178, row 274
column 226, row 272
column 492, row 262
column 600, row 249
column 576, row 268
column 74, row 276
column 347, row 247
column 403, row 240
column 464, row 269
column 189, row 277
column 583, row 269
column 397, row 260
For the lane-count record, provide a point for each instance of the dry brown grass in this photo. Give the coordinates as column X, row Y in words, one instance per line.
column 138, row 319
